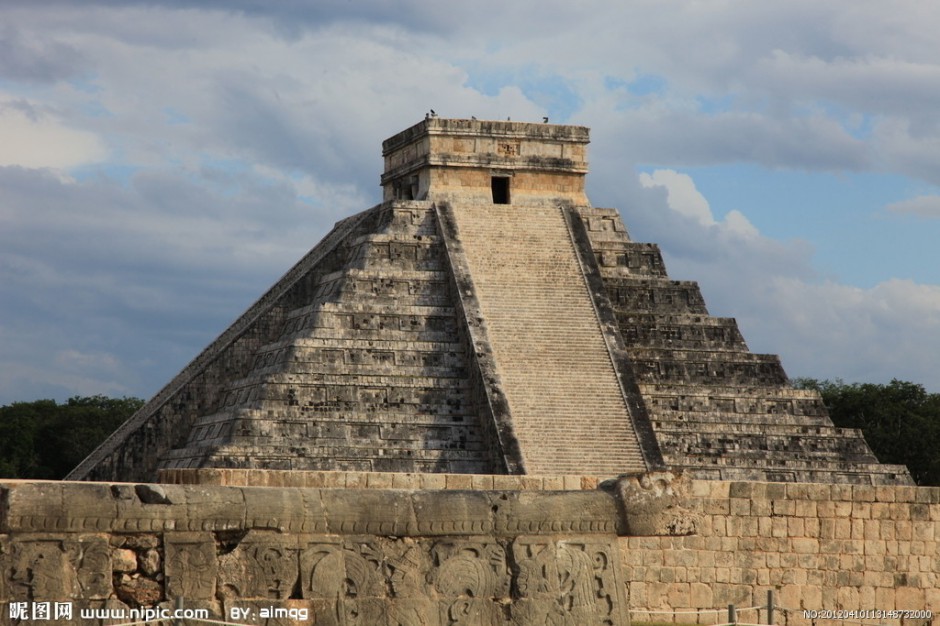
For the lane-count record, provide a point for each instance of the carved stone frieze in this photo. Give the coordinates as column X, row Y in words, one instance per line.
column 652, row 504
column 263, row 565
column 42, row 571
column 567, row 582
column 191, row 566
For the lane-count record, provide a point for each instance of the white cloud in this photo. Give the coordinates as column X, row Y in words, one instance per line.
column 924, row 206
column 36, row 139
column 685, row 199
column 278, row 111
column 820, row 328
column 681, row 194
column 891, row 330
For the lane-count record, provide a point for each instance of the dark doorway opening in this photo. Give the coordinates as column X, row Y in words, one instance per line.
column 500, row 186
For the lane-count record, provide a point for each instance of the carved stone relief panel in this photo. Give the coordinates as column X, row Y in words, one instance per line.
column 345, row 578
column 567, row 582
column 41, row 570
column 191, row 566
column 262, row 565
column 471, row 580
column 90, row 557
column 411, row 603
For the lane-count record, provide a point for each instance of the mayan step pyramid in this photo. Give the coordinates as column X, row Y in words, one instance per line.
column 485, row 319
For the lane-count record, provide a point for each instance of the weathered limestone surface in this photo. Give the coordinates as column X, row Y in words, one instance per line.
column 567, row 406
column 451, row 159
column 370, row 557
column 377, row 480
column 717, row 410
column 380, row 555
column 819, row 547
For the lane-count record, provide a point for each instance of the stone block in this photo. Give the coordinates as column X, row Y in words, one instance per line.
column 41, row 505
column 923, row 531
column 909, row 598
column 861, row 510
column 783, row 507
column 761, row 508
column 719, row 490
column 841, row 492
column 123, row 560
column 366, row 511
column 653, row 504
column 805, row 508
column 459, row 481
column 217, row 508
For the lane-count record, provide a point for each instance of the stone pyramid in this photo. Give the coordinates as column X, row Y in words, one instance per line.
column 485, row 319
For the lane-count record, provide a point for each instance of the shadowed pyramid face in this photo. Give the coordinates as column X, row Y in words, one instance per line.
column 486, row 319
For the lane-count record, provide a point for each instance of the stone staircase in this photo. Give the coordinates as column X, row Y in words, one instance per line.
column 717, row 409
column 566, row 404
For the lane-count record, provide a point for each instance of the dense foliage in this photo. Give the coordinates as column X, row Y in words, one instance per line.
column 900, row 421
column 43, row 439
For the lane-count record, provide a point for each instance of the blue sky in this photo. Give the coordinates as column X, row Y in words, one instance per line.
column 162, row 163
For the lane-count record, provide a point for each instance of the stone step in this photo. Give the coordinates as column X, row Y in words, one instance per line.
column 316, row 371
column 366, row 307
column 329, row 453
column 556, row 371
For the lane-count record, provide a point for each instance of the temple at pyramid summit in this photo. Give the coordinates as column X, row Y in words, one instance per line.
column 484, row 318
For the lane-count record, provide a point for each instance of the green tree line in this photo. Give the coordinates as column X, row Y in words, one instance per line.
column 46, row 440
column 900, row 421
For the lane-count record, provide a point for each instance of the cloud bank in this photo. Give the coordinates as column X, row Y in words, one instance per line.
column 162, row 163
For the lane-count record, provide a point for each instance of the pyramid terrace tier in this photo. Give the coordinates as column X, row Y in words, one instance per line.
column 797, row 472
column 630, row 295
column 840, row 446
column 681, row 332
column 734, row 400
column 708, row 367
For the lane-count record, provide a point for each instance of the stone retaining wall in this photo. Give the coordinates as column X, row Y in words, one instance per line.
column 820, row 547
column 324, row 556
column 364, row 549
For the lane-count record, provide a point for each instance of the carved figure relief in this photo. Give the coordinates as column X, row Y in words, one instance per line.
column 191, row 569
column 407, row 566
column 469, row 578
column 259, row 570
column 565, row 583
column 41, row 571
column 273, row 570
column 349, row 578
column 90, row 557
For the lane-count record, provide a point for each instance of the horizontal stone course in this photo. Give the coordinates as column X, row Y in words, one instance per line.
column 363, row 480
column 382, row 508
column 819, row 546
